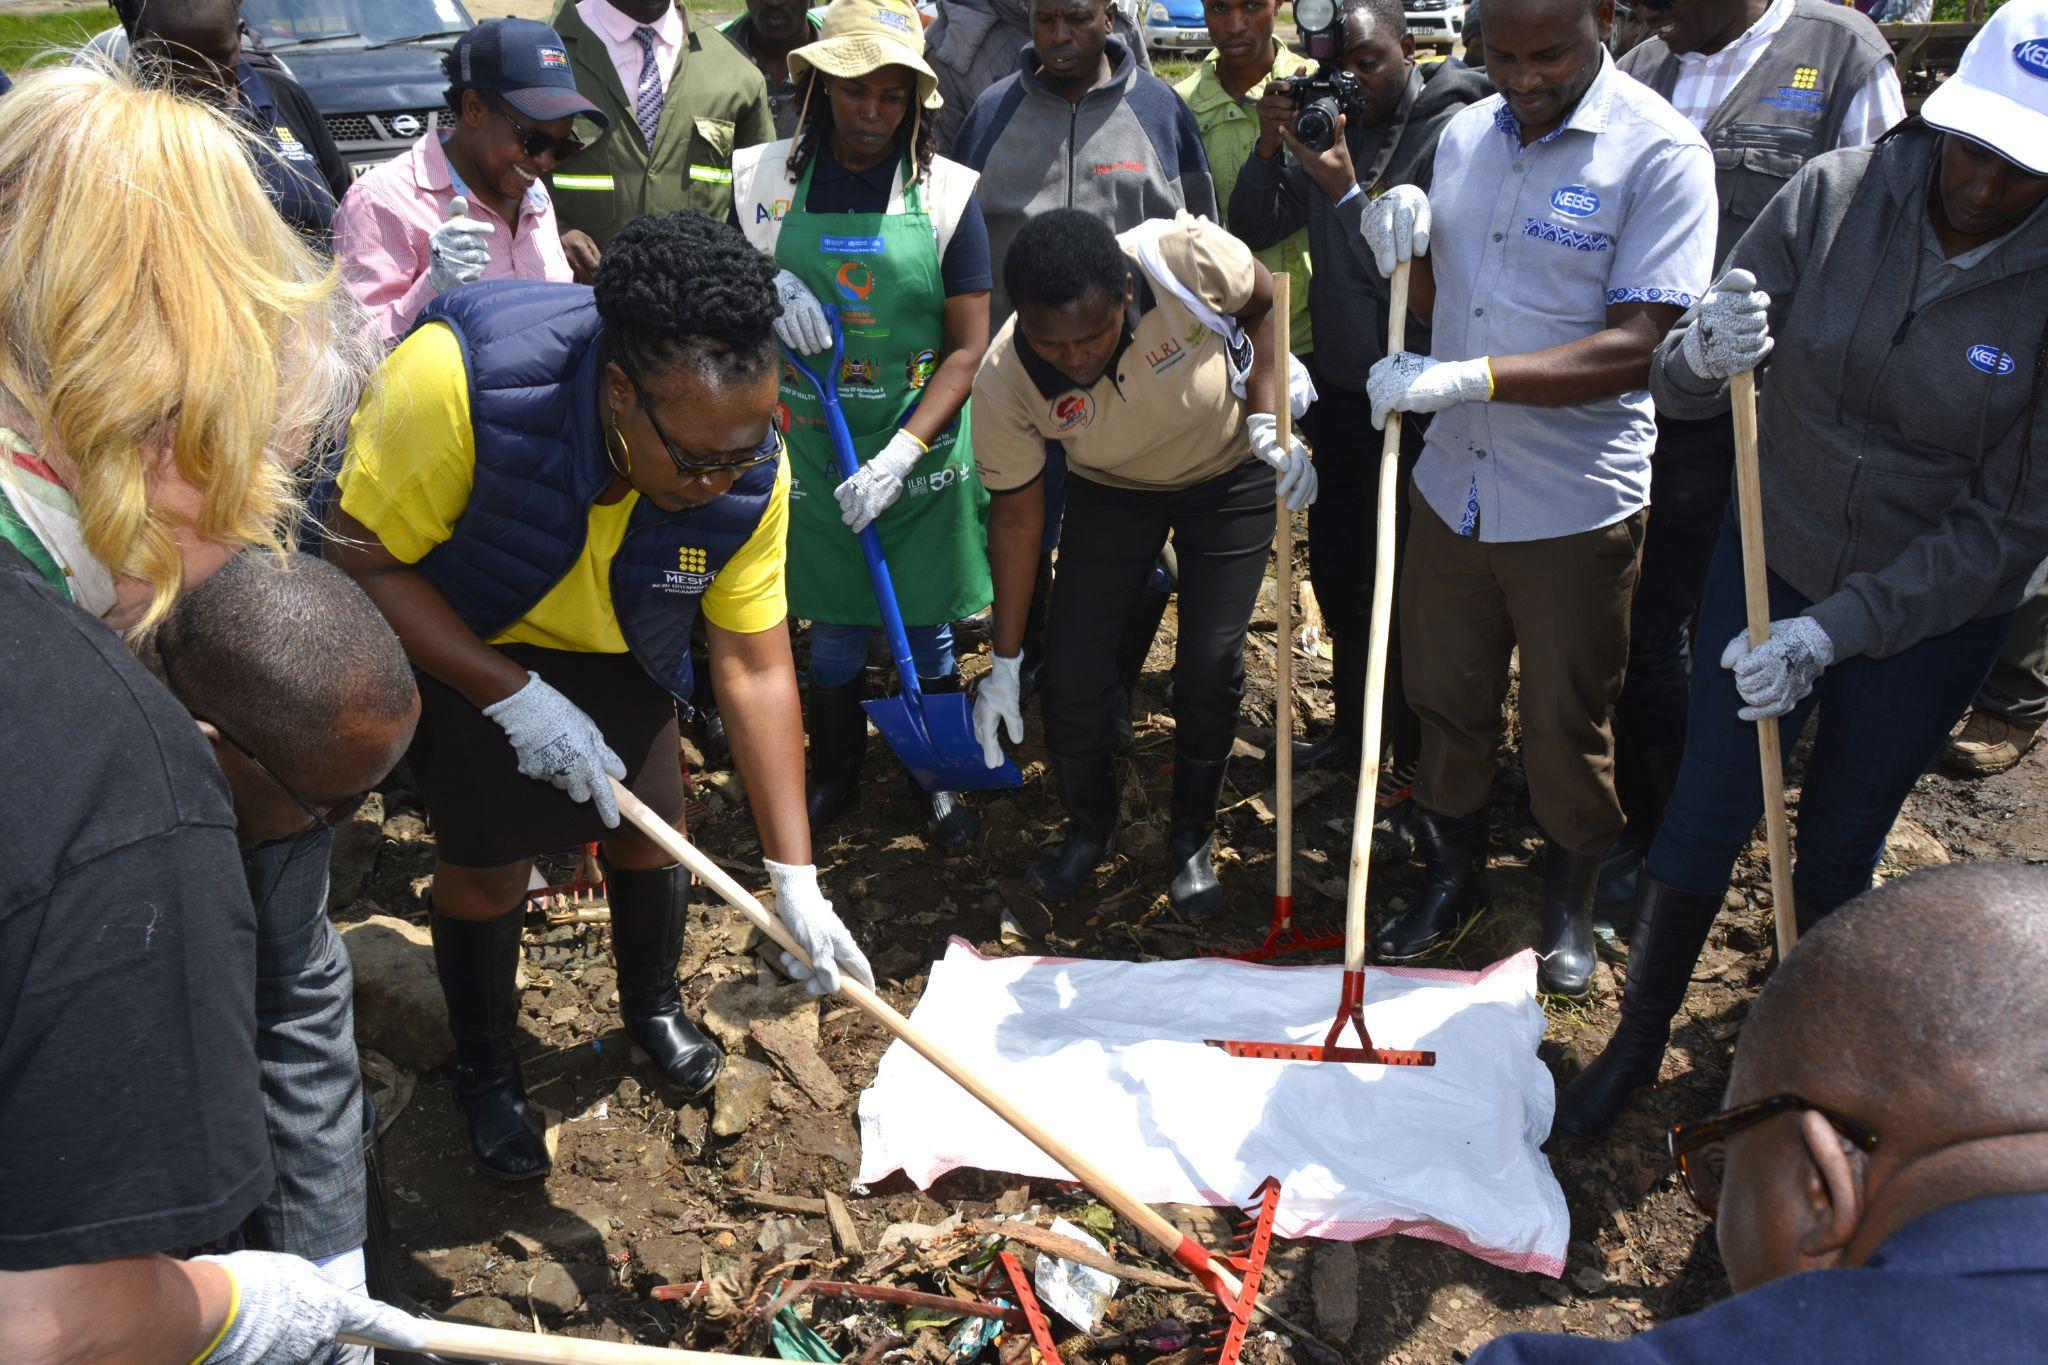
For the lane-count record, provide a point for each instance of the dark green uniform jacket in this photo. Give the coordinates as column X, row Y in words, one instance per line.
column 716, row 102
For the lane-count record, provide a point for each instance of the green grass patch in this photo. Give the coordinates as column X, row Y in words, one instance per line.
column 29, row 40
column 1174, row 70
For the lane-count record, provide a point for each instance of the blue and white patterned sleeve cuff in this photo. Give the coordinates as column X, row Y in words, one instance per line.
column 1677, row 298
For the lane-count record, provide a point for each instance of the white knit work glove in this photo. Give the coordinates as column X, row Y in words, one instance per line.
column 1407, row 382
column 1730, row 332
column 876, row 485
column 802, row 326
column 287, row 1313
column 1396, row 227
column 557, row 743
column 457, row 251
column 998, row 700
column 1776, row 675
column 1297, row 485
column 808, row 916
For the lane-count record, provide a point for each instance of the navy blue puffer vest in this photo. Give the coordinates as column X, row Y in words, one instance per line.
column 533, row 354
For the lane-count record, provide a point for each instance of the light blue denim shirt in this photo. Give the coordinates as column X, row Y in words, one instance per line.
column 1531, row 245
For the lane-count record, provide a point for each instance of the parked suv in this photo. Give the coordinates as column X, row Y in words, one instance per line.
column 1435, row 23
column 373, row 67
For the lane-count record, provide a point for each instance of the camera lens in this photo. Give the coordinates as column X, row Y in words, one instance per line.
column 1316, row 124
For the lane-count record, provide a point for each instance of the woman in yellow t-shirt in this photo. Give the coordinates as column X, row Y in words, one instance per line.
column 546, row 488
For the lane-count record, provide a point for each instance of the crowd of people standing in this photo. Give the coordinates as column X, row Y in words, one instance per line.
column 527, row 391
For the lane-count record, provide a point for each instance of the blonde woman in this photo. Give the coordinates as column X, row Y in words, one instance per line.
column 173, row 346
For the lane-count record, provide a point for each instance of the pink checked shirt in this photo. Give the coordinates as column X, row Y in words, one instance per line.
column 616, row 28
column 381, row 231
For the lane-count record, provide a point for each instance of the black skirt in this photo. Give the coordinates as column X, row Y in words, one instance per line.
column 486, row 813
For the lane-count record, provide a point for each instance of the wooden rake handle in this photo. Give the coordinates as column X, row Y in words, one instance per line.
column 461, row 1341
column 1283, row 589
column 1749, row 503
column 1142, row 1216
column 1365, row 807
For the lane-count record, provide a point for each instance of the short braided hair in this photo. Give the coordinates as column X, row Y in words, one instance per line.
column 683, row 288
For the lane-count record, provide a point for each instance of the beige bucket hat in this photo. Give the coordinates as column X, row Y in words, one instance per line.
column 862, row 36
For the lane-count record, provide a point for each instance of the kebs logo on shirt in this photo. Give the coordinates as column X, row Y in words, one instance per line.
column 2032, row 55
column 1576, row 200
column 1990, row 359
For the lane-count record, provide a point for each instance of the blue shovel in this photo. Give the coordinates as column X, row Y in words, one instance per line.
column 932, row 735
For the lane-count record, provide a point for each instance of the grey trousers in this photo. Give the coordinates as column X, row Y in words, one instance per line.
column 306, row 1047
column 2018, row 686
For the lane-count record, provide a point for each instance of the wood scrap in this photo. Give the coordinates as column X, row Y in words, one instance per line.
column 844, row 1230
column 799, row 1061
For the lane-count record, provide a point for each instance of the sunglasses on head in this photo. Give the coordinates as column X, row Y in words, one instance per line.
column 1699, row 1147
column 769, row 450
column 532, row 141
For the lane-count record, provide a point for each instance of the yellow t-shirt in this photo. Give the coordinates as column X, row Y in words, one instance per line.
column 407, row 477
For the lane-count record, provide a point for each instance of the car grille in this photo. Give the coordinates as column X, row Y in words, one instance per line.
column 347, row 128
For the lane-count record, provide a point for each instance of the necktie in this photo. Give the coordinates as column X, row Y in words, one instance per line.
column 647, row 98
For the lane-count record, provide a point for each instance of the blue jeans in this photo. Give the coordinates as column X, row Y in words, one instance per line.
column 839, row 653
column 1882, row 722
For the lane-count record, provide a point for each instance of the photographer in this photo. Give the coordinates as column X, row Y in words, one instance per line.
column 1389, row 133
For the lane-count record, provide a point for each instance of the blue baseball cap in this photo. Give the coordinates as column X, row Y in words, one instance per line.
column 523, row 62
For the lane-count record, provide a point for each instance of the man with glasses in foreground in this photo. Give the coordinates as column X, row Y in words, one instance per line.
column 470, row 200
column 1879, row 1179
column 308, row 702
column 547, row 488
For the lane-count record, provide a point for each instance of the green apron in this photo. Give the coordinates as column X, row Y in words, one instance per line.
column 882, row 270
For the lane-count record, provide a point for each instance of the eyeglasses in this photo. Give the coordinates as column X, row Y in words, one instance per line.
column 532, row 141
column 323, row 815
column 768, row 451
column 1699, row 1147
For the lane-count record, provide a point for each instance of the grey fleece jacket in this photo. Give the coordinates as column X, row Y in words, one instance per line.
column 1128, row 152
column 1897, row 497
column 1347, row 295
column 973, row 44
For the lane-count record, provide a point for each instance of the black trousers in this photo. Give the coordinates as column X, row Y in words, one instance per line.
column 1690, row 478
column 1223, row 532
column 1342, row 540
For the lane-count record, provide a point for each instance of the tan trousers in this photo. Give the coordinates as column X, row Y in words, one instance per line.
column 1466, row 604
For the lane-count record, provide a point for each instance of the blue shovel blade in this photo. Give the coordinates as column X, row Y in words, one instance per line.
column 934, row 737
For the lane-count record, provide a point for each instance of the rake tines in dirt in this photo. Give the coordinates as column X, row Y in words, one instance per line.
column 1247, row 1258
column 1351, row 1003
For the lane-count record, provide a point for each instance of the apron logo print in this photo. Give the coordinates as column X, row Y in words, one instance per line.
column 919, row 369
column 852, row 371
column 1072, row 412
column 855, row 282
column 937, row 482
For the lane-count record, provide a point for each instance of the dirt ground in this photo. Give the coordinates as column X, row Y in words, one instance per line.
column 646, row 1190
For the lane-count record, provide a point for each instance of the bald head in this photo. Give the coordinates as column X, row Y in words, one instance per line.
column 1926, row 999
column 1917, row 1011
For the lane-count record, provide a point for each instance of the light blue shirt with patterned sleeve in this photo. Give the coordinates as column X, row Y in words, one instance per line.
column 1531, row 245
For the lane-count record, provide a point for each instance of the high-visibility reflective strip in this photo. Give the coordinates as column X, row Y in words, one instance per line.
column 711, row 175
column 583, row 182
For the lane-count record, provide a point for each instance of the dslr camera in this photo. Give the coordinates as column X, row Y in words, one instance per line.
column 1331, row 90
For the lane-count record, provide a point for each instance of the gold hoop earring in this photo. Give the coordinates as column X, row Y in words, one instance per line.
column 625, row 471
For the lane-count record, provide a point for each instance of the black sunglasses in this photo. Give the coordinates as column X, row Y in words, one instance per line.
column 769, row 450
column 1699, row 1147
column 324, row 815
column 532, row 141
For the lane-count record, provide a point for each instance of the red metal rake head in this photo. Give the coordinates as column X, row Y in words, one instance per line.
column 1246, row 1261
column 1350, row 1010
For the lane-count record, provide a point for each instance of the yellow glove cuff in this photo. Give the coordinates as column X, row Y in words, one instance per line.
column 234, row 1307
column 914, row 436
column 1487, row 361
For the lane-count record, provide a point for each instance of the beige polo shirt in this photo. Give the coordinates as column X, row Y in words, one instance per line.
column 1161, row 417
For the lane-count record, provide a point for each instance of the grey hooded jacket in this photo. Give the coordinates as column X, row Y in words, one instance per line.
column 1904, row 447
column 973, row 44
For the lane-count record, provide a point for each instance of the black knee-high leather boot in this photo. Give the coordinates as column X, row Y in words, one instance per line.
column 478, row 962
column 650, row 912
column 1670, row 929
column 1192, row 886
